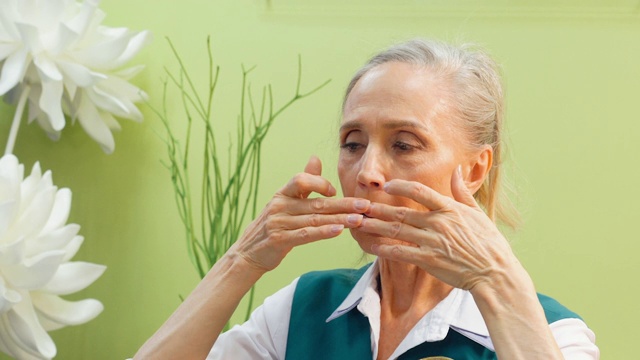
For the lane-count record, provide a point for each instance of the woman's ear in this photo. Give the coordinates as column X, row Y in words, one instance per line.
column 478, row 169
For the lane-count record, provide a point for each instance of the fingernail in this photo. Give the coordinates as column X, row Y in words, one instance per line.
column 337, row 228
column 332, row 190
column 361, row 204
column 354, row 219
column 385, row 186
column 459, row 171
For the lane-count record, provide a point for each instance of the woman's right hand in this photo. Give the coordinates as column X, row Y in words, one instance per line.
column 292, row 219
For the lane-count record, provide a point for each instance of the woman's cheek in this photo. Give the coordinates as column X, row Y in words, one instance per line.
column 346, row 183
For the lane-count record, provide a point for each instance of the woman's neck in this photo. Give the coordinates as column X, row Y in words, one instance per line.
column 407, row 293
column 408, row 289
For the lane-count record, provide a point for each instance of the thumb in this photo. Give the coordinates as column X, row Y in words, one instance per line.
column 459, row 189
column 314, row 166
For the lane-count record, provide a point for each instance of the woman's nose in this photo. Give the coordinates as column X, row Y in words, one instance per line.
column 371, row 174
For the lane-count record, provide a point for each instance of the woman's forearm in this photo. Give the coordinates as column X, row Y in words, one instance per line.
column 193, row 328
column 515, row 318
column 289, row 219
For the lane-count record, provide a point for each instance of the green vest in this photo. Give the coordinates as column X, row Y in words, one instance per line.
column 318, row 295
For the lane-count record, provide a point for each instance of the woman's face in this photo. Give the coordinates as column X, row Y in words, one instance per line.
column 397, row 125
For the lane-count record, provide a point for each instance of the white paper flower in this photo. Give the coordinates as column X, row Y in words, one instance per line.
column 36, row 246
column 67, row 63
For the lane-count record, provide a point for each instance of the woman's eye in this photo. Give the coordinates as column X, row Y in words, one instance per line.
column 402, row 146
column 350, row 146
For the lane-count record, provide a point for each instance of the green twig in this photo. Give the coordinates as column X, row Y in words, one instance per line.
column 224, row 205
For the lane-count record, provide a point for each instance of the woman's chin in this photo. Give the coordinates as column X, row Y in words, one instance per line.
column 366, row 240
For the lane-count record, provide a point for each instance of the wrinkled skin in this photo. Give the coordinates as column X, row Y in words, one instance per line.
column 402, row 148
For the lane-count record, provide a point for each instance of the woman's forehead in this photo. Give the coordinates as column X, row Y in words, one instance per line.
column 395, row 91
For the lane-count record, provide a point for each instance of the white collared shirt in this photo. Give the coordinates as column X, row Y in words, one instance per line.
column 264, row 336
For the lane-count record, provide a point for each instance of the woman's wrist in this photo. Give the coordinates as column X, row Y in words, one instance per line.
column 505, row 285
column 514, row 316
column 234, row 265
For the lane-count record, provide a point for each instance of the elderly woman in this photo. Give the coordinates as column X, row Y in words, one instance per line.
column 419, row 168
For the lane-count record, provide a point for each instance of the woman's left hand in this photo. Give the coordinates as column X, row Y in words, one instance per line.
column 454, row 240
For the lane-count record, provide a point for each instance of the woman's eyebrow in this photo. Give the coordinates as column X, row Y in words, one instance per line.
column 394, row 124
column 388, row 124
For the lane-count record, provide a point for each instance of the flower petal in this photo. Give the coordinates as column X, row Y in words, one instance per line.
column 30, row 336
column 91, row 122
column 50, row 103
column 106, row 101
column 7, row 20
column 8, row 343
column 8, row 297
column 53, row 240
column 8, row 166
column 72, row 248
column 114, row 89
column 49, row 325
column 8, row 211
column 48, row 69
column 29, row 186
column 83, row 19
column 136, row 43
column 30, row 37
column 33, row 274
column 35, row 215
column 130, row 72
column 32, row 104
column 6, row 50
column 60, row 212
column 44, row 123
column 73, row 276
column 11, row 175
column 111, row 122
column 101, row 55
column 66, row 312
column 79, row 74
column 12, row 251
column 13, row 70
column 66, row 37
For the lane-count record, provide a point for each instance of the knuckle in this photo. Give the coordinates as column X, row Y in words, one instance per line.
column 299, row 179
column 317, row 204
column 401, row 214
column 304, row 234
column 395, row 229
column 272, row 223
column 276, row 236
column 314, row 220
column 275, row 206
column 417, row 190
column 396, row 251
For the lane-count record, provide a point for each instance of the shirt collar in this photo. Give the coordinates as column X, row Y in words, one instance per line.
column 366, row 281
column 457, row 311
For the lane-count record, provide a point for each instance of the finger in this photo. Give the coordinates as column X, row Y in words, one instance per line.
column 418, row 192
column 311, row 234
column 399, row 252
column 459, row 189
column 314, row 166
column 303, row 184
column 396, row 213
column 313, row 220
column 325, row 206
column 397, row 231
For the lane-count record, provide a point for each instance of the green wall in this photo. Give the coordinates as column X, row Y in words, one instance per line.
column 572, row 79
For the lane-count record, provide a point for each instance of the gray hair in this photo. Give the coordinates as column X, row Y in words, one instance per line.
column 476, row 97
